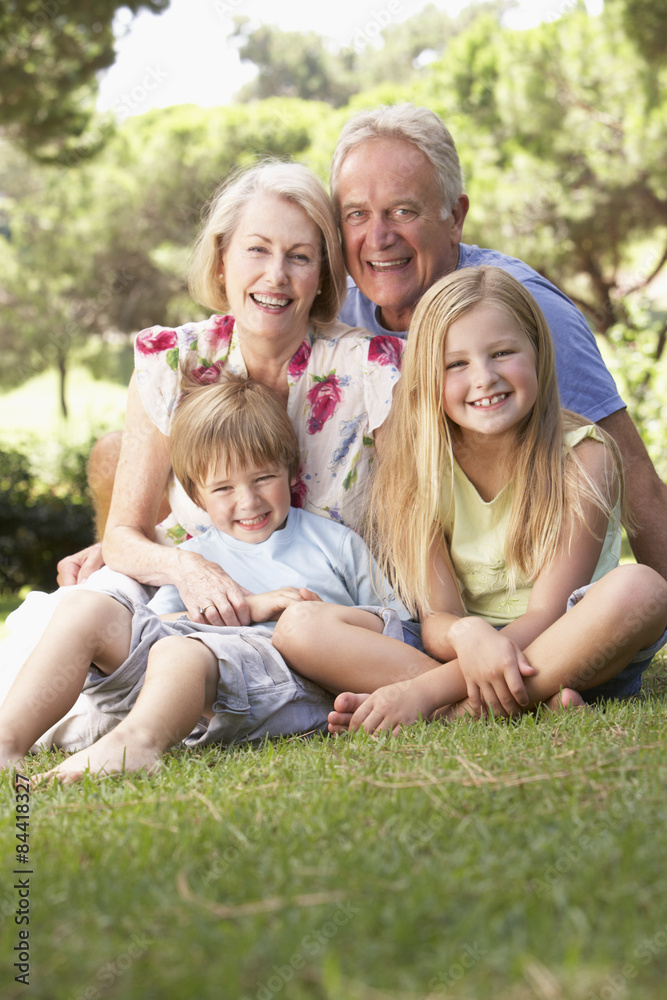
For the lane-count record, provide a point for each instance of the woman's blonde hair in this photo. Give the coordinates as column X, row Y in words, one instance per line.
column 235, row 421
column 292, row 182
column 409, row 498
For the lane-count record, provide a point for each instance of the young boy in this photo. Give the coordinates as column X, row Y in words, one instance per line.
column 235, row 452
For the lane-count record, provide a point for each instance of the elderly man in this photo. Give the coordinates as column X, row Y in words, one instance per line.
column 396, row 183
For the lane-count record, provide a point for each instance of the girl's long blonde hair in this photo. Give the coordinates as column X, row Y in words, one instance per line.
column 408, row 501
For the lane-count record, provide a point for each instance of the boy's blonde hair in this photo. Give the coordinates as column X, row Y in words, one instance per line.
column 410, row 492
column 235, row 421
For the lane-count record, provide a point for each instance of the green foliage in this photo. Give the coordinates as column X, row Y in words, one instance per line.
column 50, row 53
column 40, row 524
column 565, row 150
column 299, row 64
column 645, row 22
column 103, row 247
column 641, row 377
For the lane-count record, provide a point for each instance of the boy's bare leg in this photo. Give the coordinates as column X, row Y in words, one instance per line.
column 342, row 648
column 87, row 627
column 181, row 683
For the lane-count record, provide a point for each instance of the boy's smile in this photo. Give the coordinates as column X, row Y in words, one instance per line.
column 250, row 502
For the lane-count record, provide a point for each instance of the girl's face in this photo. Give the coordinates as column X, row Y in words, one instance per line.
column 490, row 381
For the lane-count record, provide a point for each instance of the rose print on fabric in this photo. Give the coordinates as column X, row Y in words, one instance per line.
column 155, row 340
column 386, row 350
column 299, row 362
column 220, row 331
column 298, row 491
column 323, row 397
column 205, row 374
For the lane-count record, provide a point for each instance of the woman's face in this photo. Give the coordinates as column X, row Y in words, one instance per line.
column 271, row 270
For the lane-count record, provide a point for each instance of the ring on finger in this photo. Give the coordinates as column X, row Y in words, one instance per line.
column 202, row 610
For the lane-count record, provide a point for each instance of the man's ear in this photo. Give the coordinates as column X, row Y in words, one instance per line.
column 459, row 212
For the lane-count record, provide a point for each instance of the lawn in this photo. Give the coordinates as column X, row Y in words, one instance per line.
column 33, row 409
column 480, row 861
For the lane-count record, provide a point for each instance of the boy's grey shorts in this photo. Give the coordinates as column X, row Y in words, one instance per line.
column 258, row 695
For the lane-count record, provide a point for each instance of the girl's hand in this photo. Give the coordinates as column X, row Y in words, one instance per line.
column 205, row 585
column 268, row 607
column 493, row 667
column 388, row 709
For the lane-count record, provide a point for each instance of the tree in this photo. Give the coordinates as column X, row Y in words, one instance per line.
column 298, row 64
column 103, row 247
column 50, row 53
column 645, row 23
column 565, row 152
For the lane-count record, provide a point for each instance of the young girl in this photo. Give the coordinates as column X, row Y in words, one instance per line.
column 496, row 514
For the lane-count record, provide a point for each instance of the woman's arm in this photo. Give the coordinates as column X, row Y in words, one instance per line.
column 129, row 539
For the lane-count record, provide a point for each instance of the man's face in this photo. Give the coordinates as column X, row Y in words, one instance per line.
column 396, row 243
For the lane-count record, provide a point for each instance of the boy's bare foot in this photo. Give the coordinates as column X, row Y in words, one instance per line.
column 112, row 754
column 345, row 706
column 566, row 698
column 10, row 756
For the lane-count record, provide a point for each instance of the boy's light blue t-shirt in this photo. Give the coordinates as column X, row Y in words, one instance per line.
column 310, row 551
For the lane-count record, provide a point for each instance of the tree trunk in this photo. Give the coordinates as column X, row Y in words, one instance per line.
column 62, row 368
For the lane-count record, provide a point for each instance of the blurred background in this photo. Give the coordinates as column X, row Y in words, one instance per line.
column 117, row 122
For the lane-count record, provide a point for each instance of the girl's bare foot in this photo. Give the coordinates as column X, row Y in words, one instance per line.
column 565, row 698
column 112, row 754
column 345, row 706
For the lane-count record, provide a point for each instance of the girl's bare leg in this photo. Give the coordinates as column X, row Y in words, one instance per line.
column 342, row 648
column 624, row 612
column 181, row 682
column 86, row 628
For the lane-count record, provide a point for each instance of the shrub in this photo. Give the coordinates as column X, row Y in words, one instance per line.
column 40, row 523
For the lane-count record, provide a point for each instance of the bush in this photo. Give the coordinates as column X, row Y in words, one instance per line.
column 39, row 524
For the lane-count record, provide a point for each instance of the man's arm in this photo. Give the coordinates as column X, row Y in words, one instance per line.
column 647, row 494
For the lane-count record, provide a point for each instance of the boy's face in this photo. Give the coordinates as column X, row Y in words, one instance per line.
column 247, row 502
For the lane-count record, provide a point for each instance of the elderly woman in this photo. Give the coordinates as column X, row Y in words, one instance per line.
column 269, row 261
column 269, row 257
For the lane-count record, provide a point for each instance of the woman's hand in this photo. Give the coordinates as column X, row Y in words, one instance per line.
column 493, row 667
column 209, row 594
column 268, row 607
column 78, row 567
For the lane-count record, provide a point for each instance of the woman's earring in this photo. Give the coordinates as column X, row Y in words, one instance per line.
column 221, row 276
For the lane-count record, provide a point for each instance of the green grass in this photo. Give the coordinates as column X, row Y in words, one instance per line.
column 480, row 861
column 33, row 408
